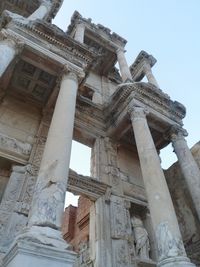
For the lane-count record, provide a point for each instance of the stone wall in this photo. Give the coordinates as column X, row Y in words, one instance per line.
column 129, row 165
column 187, row 218
column 19, row 120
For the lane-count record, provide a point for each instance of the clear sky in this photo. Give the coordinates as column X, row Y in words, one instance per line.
column 167, row 29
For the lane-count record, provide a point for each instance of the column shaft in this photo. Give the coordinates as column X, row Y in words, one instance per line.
column 189, row 168
column 7, row 53
column 169, row 240
column 124, row 69
column 41, row 12
column 48, row 201
column 150, row 76
column 79, row 34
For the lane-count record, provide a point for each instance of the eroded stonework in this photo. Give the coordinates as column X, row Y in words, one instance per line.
column 57, row 86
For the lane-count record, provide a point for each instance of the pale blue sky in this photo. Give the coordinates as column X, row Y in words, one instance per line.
column 167, row 29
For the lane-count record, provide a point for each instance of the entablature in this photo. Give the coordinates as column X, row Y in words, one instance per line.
column 49, row 39
column 163, row 112
column 137, row 68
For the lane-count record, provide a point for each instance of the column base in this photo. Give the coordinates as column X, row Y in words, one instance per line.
column 176, row 262
column 45, row 236
column 30, row 254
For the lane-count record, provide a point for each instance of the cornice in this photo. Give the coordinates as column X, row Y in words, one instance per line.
column 97, row 28
column 150, row 96
column 55, row 40
column 86, row 185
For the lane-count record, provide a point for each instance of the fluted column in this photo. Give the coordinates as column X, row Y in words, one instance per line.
column 79, row 34
column 189, row 167
column 150, row 77
column 8, row 50
column 123, row 66
column 42, row 11
column 45, row 216
column 171, row 251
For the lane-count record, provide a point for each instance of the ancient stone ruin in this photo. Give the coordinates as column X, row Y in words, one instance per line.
column 58, row 86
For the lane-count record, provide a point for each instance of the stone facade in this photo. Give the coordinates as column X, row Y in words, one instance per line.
column 56, row 87
column 186, row 214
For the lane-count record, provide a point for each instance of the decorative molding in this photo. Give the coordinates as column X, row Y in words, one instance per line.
column 85, row 185
column 146, row 95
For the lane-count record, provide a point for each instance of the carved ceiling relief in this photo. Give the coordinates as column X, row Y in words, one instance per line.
column 32, row 82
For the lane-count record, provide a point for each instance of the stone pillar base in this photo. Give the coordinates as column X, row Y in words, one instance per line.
column 30, row 254
column 176, row 262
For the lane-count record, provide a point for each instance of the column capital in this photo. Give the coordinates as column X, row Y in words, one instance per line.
column 12, row 41
column 137, row 112
column 72, row 72
column 120, row 49
column 175, row 132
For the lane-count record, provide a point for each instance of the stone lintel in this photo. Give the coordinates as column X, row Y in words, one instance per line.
column 86, row 185
column 138, row 67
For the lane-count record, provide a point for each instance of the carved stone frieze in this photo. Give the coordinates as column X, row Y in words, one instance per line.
column 120, row 219
column 149, row 96
column 14, row 149
column 85, row 185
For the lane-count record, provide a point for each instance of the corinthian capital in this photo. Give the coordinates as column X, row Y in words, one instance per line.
column 73, row 72
column 175, row 132
column 12, row 41
column 137, row 112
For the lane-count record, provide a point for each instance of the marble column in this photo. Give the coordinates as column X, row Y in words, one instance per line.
column 189, row 167
column 45, row 216
column 8, row 50
column 150, row 77
column 123, row 65
column 79, row 34
column 42, row 11
column 171, row 252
